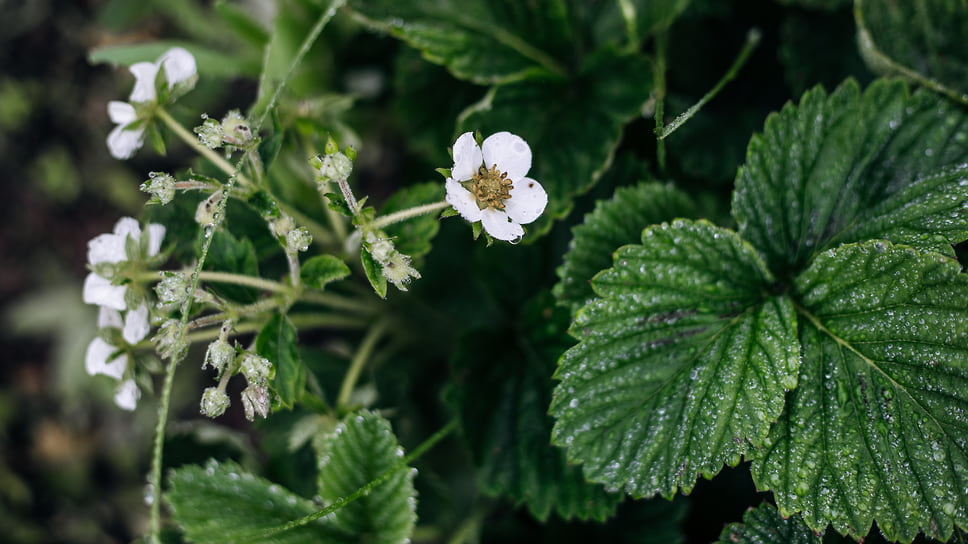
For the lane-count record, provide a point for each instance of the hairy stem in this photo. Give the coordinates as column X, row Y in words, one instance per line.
column 403, row 215
column 359, row 361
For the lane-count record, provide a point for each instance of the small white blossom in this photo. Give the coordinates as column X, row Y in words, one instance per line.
column 128, row 136
column 489, row 184
column 110, row 249
column 127, row 394
column 96, row 360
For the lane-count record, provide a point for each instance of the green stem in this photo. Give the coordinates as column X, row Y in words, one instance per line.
column 359, row 361
column 241, row 279
column 192, row 141
column 302, row 321
column 343, row 501
column 752, row 40
column 661, row 47
column 403, row 215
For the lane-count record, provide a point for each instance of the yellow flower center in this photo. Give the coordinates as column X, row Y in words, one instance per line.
column 490, row 187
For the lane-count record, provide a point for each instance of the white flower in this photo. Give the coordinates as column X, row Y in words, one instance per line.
column 111, row 248
column 127, row 395
column 134, row 328
column 490, row 184
column 180, row 71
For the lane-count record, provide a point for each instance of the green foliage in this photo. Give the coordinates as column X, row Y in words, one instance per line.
column 923, row 40
column 503, row 387
column 851, row 166
column 317, row 271
column 374, row 273
column 230, row 253
column 682, row 363
column 875, row 429
column 612, row 224
column 413, row 237
column 222, row 502
column 277, row 343
column 764, row 525
column 361, row 449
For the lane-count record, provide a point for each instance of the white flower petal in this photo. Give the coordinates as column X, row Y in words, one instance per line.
column 106, row 248
column 144, row 82
column 109, row 317
column 121, row 113
column 527, row 202
column 467, row 157
column 509, row 152
column 179, row 65
column 96, row 360
column 123, row 143
column 128, row 226
column 462, row 200
column 127, row 395
column 98, row 290
column 499, row 226
column 156, row 233
column 136, row 325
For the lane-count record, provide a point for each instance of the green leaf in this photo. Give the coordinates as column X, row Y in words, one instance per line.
column 277, row 342
column 374, row 273
column 650, row 16
column 412, row 237
column 231, row 254
column 242, row 23
column 614, row 223
column 573, row 136
column 483, row 41
column 876, row 429
column 361, row 449
column 337, row 203
column 322, row 269
column 221, row 502
column 765, row 525
column 211, row 63
column 683, row 361
column 502, row 391
column 849, row 167
column 923, row 40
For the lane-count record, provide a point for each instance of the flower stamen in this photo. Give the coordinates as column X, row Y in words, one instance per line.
column 491, row 187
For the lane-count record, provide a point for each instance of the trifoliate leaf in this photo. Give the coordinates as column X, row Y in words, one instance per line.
column 503, row 387
column 277, row 343
column 614, row 223
column 483, row 41
column 876, row 429
column 923, row 40
column 683, row 361
column 362, row 449
column 412, row 237
column 847, row 167
column 765, row 525
column 221, row 502
column 322, row 269
column 572, row 137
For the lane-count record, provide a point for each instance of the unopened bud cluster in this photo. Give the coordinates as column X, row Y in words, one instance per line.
column 227, row 360
column 160, row 186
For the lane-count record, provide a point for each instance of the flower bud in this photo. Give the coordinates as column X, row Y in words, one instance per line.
column 398, row 271
column 210, row 133
column 205, row 213
column 220, row 354
column 235, row 129
column 214, row 402
column 170, row 343
column 161, row 186
column 256, row 369
column 280, row 226
column 298, row 239
column 172, row 290
column 335, row 167
column 255, row 400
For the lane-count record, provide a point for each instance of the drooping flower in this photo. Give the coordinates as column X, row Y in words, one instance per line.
column 489, row 183
column 131, row 117
column 106, row 250
column 103, row 358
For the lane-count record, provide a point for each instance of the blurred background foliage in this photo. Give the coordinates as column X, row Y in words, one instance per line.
column 72, row 465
